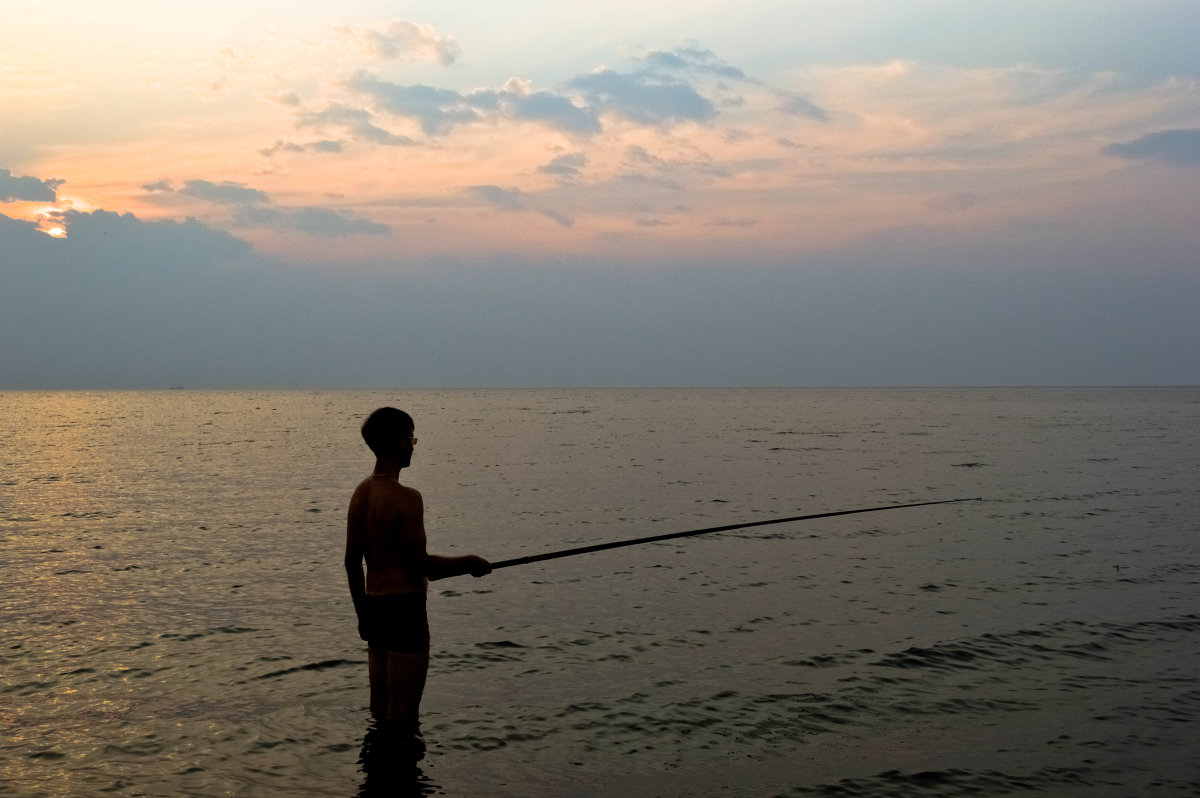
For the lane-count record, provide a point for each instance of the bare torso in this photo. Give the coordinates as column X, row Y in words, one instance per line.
column 386, row 525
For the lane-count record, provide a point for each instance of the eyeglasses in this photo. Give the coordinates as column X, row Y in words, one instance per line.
column 411, row 440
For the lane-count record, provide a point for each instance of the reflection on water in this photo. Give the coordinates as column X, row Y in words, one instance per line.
column 390, row 763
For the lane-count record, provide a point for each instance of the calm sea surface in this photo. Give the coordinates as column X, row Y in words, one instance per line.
column 174, row 618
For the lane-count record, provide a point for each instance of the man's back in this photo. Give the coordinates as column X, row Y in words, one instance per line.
column 386, row 523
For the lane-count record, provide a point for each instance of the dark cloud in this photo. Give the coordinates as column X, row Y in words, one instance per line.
column 1177, row 147
column 652, row 95
column 157, row 186
column 253, row 208
column 226, row 193
column 567, row 165
column 18, row 238
column 802, row 106
column 355, row 120
column 438, row 111
column 27, row 189
column 644, row 98
column 435, row 110
column 129, row 303
column 125, row 302
column 121, row 241
column 321, row 222
column 551, row 109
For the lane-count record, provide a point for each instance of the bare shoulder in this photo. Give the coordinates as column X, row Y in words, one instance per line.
column 406, row 498
column 361, row 497
column 385, row 496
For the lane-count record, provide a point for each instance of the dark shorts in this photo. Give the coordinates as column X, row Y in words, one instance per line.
column 397, row 622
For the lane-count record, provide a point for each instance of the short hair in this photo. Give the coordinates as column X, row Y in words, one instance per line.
column 383, row 427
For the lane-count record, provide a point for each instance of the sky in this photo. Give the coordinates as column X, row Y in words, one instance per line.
column 710, row 193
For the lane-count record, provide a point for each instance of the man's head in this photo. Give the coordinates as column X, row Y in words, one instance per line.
column 385, row 428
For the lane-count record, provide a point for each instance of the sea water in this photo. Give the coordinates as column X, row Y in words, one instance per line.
column 174, row 616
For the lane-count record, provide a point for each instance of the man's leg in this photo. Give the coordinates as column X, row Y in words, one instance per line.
column 377, row 665
column 405, row 684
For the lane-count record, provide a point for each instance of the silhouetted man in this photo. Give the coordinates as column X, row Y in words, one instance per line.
column 386, row 527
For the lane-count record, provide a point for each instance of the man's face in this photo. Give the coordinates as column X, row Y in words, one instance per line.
column 406, row 442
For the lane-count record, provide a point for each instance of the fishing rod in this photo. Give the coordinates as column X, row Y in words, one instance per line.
column 554, row 555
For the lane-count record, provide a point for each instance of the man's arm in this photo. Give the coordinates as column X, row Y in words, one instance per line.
column 438, row 567
column 433, row 566
column 354, row 561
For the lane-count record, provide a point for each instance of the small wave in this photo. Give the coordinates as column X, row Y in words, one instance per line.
column 963, row 706
column 952, row 782
column 27, row 688
column 219, row 630
column 827, row 660
column 312, row 666
column 1064, row 640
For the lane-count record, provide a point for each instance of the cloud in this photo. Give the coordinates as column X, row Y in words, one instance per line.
column 325, row 145
column 437, row 111
column 314, row 221
column 640, row 179
column 644, row 98
column 566, row 166
column 504, row 199
column 402, row 39
column 802, row 106
column 514, row 201
column 642, row 160
column 103, row 238
column 1176, row 147
column 559, row 218
column 226, row 193
column 27, row 189
column 954, row 202
column 693, row 59
column 651, row 95
column 356, row 121
column 639, row 155
column 517, row 101
column 130, row 303
column 252, row 209
column 731, row 221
